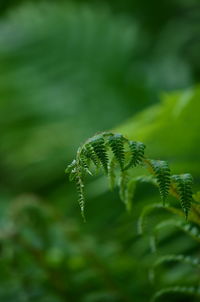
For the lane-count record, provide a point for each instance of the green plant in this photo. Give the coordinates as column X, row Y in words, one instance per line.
column 117, row 156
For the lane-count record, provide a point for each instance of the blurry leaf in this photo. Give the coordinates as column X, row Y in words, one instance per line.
column 171, row 130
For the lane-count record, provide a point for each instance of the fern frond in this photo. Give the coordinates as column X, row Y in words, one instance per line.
column 177, row 258
column 192, row 261
column 162, row 173
column 183, row 183
column 177, row 289
column 111, row 151
column 99, row 147
column 116, row 143
column 106, row 149
column 187, row 228
column 137, row 153
column 191, row 230
column 75, row 171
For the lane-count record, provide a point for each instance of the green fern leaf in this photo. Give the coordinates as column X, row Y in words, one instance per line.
column 178, row 258
column 192, row 261
column 187, row 228
column 137, row 153
column 116, row 143
column 71, row 170
column 106, row 149
column 84, row 162
column 99, row 147
column 178, row 290
column 183, row 184
column 162, row 173
column 89, row 152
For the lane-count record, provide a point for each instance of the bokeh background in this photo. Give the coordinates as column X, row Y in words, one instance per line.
column 69, row 69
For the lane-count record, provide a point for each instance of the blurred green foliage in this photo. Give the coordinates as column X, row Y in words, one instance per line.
column 69, row 70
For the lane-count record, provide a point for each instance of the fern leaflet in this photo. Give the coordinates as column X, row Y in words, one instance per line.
column 137, row 153
column 178, row 258
column 80, row 190
column 187, row 228
column 177, row 289
column 162, row 173
column 183, row 184
column 116, row 143
column 99, row 147
column 88, row 151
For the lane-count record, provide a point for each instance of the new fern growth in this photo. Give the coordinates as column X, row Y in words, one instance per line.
column 117, row 156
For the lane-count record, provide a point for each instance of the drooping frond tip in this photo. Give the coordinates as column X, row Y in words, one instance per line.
column 111, row 152
column 81, row 199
